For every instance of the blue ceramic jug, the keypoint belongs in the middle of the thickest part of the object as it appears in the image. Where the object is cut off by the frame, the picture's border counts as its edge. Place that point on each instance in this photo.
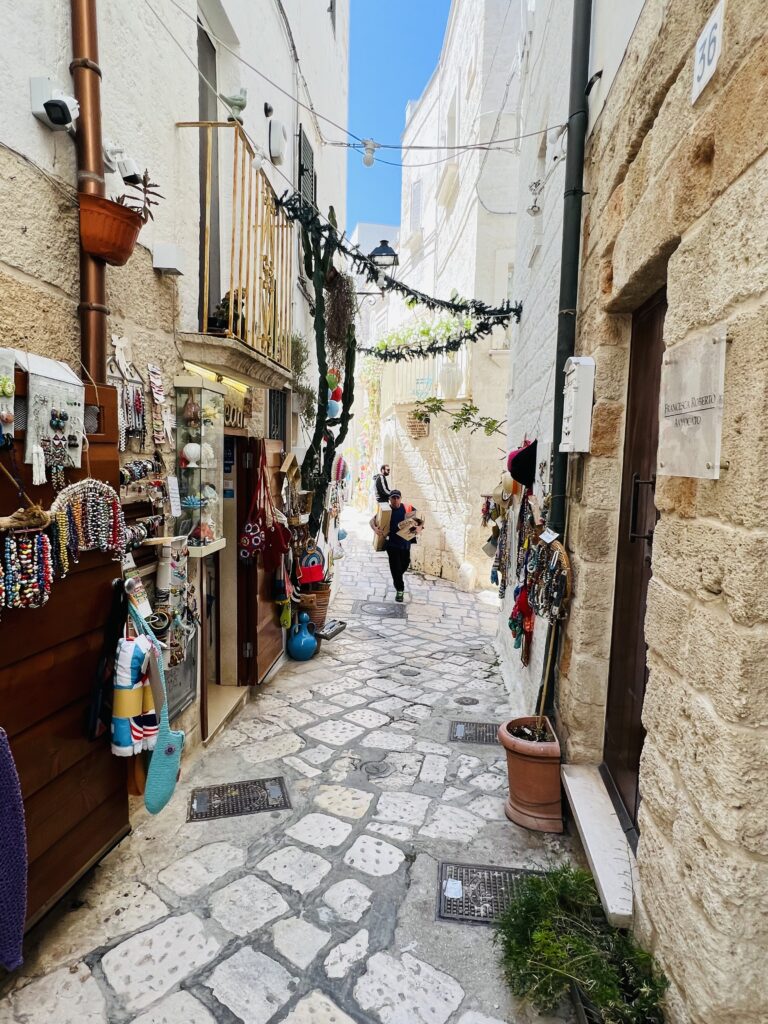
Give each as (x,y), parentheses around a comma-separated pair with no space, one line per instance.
(301,643)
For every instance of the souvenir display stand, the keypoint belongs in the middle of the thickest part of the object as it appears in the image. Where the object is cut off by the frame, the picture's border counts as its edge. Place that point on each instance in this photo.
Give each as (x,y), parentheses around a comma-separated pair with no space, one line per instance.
(200,460)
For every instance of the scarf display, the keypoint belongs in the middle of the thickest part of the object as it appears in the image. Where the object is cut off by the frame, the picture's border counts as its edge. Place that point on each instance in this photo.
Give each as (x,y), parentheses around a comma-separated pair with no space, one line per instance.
(13,860)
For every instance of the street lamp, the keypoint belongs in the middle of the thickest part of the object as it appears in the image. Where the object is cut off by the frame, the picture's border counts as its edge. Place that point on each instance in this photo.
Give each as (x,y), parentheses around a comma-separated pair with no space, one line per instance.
(384,256)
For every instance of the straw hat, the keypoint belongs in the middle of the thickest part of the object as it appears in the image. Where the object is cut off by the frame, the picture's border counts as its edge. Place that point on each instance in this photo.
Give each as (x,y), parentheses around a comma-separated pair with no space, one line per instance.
(503,494)
(410,526)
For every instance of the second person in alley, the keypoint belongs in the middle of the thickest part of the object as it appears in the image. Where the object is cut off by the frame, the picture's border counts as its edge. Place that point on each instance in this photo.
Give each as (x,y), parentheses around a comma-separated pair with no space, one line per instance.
(398,540)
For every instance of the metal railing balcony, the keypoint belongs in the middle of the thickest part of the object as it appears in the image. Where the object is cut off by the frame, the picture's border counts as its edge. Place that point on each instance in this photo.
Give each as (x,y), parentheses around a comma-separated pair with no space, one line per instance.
(246,245)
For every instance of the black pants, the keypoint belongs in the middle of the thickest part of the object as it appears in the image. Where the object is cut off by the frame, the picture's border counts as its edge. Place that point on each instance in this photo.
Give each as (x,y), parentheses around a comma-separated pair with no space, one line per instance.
(399,561)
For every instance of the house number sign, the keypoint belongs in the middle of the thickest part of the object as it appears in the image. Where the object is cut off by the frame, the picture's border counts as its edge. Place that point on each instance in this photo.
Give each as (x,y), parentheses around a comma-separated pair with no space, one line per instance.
(691,406)
(707,53)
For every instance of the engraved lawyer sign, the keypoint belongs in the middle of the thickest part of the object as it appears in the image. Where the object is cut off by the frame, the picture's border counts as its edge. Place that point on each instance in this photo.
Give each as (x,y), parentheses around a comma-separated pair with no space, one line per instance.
(691,406)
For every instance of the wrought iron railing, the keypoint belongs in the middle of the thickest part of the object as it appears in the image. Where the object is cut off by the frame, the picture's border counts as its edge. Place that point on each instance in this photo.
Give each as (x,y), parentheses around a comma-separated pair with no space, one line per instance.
(246,247)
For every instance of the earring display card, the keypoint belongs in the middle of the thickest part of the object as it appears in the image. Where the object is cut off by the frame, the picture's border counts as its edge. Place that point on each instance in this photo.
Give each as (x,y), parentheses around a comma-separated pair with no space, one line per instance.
(7,389)
(55,419)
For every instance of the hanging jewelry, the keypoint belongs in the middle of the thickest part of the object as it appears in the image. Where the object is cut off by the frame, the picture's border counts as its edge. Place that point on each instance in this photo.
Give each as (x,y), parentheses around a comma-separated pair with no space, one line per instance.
(87,516)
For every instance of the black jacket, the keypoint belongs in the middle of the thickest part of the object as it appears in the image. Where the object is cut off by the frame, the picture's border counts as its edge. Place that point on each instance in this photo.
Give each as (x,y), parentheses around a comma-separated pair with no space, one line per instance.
(382,491)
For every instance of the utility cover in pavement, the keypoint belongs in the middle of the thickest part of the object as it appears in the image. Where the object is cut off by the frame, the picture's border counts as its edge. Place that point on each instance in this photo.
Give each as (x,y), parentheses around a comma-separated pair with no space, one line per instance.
(235,798)
(467,701)
(475,893)
(473,732)
(380,609)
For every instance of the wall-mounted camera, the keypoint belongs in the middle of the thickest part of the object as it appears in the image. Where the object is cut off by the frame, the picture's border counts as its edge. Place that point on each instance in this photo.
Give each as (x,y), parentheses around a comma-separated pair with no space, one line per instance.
(116,162)
(57,110)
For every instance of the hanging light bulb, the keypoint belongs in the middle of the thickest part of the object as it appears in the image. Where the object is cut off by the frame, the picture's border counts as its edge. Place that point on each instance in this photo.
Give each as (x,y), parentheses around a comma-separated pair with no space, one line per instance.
(369,154)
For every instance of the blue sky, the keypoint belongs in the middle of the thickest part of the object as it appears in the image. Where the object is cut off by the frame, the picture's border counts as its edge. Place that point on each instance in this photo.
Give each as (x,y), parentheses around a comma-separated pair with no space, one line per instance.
(394,46)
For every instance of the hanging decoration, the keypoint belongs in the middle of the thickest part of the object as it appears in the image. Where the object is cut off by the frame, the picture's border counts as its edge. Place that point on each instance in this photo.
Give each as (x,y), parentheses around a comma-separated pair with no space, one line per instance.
(157,390)
(482,316)
(54,428)
(85,516)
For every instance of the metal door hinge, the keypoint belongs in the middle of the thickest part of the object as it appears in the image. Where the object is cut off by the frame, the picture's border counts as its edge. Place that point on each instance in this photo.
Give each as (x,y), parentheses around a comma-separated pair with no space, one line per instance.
(247,650)
(247,460)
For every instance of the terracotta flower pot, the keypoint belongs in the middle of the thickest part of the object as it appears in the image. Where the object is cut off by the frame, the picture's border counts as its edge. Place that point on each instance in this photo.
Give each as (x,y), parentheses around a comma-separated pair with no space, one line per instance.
(533,770)
(108,230)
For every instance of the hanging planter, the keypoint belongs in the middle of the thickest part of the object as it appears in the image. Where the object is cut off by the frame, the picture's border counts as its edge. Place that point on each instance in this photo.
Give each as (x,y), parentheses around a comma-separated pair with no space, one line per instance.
(533,770)
(108,230)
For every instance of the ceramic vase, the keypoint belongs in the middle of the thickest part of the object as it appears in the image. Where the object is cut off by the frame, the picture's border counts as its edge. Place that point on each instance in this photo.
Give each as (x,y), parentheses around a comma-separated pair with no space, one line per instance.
(533,771)
(450,379)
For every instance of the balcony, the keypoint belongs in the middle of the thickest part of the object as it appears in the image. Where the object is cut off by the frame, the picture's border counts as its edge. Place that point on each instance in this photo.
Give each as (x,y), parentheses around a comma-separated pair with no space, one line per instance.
(246,261)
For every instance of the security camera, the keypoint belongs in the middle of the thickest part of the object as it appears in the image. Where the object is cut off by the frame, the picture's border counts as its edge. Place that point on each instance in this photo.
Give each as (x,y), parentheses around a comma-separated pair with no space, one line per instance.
(129,171)
(54,108)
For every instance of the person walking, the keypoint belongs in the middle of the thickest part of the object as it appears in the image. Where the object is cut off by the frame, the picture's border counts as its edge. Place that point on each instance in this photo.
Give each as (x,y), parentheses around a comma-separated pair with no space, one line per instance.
(381,485)
(398,547)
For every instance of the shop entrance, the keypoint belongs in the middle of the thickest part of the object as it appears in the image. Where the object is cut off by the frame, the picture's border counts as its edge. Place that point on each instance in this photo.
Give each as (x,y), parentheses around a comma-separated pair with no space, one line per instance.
(624,732)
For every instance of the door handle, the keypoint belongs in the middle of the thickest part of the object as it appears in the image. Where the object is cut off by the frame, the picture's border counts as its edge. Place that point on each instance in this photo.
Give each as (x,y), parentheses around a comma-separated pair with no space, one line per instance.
(637,483)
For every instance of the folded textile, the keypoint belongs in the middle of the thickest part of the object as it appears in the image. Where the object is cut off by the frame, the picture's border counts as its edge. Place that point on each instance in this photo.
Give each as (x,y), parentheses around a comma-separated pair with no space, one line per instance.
(13,860)
(134,721)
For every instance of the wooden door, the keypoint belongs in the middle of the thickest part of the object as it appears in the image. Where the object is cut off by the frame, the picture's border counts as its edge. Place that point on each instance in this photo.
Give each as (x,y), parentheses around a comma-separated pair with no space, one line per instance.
(75,796)
(624,733)
(260,635)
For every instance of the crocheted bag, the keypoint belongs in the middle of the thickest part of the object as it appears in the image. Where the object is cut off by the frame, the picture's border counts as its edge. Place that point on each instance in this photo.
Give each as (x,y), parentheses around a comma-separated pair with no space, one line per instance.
(163,771)
(13,860)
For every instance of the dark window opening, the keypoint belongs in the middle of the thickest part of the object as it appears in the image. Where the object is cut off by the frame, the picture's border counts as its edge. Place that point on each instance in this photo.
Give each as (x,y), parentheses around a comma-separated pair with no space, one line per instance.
(307,183)
(277,414)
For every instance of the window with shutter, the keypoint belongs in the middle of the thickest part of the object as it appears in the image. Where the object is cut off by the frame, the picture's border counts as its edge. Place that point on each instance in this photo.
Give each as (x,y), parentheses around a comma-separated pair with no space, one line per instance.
(307,184)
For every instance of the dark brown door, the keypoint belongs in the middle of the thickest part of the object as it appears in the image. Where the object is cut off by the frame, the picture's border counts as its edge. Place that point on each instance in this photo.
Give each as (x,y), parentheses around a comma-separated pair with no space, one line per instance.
(261,637)
(624,733)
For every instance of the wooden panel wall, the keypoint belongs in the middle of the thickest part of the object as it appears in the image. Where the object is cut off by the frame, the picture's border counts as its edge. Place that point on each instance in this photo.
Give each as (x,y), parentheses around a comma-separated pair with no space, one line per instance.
(74,791)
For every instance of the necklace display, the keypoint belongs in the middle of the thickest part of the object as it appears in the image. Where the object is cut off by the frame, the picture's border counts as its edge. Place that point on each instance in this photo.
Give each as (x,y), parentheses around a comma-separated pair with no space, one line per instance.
(86,516)
(132,409)
(27,570)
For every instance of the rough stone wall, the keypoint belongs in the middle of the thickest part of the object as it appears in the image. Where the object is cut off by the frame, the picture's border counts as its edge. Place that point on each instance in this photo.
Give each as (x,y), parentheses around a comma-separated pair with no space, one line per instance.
(677,194)
(544,101)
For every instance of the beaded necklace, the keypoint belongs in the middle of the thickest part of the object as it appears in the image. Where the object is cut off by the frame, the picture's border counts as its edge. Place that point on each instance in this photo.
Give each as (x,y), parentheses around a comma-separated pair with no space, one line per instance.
(27,570)
(86,516)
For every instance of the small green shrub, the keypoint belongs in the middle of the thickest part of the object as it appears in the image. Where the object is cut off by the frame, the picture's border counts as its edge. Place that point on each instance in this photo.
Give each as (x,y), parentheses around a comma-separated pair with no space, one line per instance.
(554,934)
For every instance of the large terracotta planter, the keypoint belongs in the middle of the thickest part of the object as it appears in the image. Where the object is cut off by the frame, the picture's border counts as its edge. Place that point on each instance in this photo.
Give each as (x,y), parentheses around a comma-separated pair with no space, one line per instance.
(533,770)
(108,230)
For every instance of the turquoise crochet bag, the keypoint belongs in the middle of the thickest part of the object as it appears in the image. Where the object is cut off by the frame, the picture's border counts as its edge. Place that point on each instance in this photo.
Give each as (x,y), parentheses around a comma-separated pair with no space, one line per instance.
(163,771)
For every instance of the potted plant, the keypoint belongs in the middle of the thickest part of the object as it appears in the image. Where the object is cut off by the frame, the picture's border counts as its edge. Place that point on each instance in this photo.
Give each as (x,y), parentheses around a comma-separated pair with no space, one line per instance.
(109,227)
(555,940)
(533,771)
(218,323)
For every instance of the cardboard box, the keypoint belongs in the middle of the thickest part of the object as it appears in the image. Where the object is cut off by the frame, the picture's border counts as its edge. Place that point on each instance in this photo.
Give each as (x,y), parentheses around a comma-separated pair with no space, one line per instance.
(383,516)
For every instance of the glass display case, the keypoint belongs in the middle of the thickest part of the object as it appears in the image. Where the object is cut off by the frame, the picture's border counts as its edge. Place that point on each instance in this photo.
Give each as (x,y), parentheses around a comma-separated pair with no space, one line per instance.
(199,460)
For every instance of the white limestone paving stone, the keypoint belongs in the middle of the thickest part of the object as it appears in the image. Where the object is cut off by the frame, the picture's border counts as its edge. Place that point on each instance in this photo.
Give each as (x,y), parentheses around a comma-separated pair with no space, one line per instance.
(405,726)
(180,1008)
(405,767)
(467,765)
(264,704)
(298,940)
(246,904)
(336,734)
(433,770)
(332,689)
(402,808)
(349,899)
(320,708)
(400,832)
(343,800)
(344,956)
(317,755)
(151,963)
(386,739)
(374,856)
(417,712)
(301,870)
(289,718)
(407,991)
(271,750)
(390,705)
(316,1008)
(452,792)
(252,985)
(257,729)
(305,769)
(487,781)
(342,767)
(452,823)
(367,718)
(319,830)
(66,996)
(428,747)
(200,868)
(489,807)
(349,700)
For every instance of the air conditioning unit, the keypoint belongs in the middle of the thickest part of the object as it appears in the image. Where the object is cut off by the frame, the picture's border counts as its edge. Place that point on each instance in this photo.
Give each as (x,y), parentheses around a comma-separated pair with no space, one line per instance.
(278,142)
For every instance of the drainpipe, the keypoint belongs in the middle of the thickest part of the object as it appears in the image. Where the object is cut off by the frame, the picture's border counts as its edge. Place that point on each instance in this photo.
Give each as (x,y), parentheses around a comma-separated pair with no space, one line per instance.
(86,77)
(569,277)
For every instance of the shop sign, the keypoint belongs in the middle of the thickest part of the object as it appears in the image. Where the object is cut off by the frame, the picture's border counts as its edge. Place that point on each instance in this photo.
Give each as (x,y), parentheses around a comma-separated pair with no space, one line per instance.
(234,411)
(691,406)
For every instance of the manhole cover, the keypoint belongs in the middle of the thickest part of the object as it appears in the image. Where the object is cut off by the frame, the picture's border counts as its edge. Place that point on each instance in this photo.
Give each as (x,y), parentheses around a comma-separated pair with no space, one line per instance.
(381,609)
(467,701)
(410,672)
(473,732)
(377,769)
(473,892)
(234,798)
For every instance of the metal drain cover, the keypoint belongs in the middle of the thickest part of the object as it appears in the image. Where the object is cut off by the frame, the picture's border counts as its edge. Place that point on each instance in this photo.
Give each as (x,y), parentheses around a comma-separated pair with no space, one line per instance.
(235,798)
(381,609)
(475,893)
(467,701)
(473,732)
(377,769)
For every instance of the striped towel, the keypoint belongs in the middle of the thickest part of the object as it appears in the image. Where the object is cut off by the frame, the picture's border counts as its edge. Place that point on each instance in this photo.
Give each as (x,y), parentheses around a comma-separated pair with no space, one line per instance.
(134,722)
(13,860)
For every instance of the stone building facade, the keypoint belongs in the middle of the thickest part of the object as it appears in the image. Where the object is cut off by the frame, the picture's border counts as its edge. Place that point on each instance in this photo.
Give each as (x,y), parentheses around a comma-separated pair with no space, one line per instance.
(675,203)
(457,235)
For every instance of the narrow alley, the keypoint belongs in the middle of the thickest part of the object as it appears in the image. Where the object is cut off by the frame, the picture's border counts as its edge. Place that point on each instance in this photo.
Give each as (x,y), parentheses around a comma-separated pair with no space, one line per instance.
(323,913)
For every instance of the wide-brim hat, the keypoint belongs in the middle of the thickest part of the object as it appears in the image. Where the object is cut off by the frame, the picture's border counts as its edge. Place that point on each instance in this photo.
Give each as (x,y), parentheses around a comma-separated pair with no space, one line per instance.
(521,464)
(408,529)
(504,491)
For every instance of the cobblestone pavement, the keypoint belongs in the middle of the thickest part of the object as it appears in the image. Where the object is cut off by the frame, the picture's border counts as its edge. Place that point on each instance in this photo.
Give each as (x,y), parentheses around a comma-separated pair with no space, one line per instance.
(324,913)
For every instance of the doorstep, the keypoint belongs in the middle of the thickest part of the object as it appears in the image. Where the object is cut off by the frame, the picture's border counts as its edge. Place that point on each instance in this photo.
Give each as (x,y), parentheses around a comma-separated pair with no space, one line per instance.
(602,836)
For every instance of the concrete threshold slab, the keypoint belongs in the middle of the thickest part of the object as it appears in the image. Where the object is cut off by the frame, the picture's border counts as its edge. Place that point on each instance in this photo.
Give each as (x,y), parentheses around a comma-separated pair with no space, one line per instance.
(602,836)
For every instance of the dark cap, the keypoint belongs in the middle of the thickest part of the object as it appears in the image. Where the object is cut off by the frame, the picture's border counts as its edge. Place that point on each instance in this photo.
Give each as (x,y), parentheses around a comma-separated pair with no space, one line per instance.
(395,494)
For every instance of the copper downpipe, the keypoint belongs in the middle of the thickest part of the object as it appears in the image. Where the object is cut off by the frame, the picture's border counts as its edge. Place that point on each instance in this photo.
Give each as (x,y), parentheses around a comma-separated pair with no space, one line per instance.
(86,77)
